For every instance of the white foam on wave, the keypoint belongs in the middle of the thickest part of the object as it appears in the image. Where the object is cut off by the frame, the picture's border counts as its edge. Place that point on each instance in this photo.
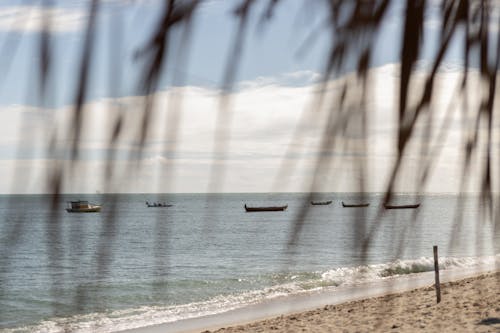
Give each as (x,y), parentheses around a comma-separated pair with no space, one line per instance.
(118,320)
(359,274)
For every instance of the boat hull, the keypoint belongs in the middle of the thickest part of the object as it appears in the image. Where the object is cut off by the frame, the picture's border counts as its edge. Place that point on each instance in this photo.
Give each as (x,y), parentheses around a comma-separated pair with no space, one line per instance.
(84,210)
(82,206)
(386,206)
(354,205)
(321,203)
(266,209)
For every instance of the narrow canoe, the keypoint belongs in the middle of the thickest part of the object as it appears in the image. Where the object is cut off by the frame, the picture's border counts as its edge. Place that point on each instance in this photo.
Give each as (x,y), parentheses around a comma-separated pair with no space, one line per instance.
(158,205)
(321,203)
(355,205)
(387,206)
(265,209)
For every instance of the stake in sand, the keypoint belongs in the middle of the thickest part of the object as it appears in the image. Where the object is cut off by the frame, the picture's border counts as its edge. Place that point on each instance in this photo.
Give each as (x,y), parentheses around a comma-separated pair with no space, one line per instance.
(436,274)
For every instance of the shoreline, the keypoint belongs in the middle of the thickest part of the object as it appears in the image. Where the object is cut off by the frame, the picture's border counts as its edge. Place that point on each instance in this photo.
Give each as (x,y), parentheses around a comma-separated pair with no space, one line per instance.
(281,313)
(468,305)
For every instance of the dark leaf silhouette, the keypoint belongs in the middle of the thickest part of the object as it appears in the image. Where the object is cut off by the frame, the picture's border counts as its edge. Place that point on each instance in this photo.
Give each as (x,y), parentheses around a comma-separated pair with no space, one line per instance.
(352,28)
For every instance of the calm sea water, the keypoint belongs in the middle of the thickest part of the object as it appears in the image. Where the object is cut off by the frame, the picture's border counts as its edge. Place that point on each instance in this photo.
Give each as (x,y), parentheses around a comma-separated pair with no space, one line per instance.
(130,266)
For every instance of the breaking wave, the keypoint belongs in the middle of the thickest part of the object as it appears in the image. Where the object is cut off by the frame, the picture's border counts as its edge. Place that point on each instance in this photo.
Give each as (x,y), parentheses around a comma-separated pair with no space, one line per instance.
(282,285)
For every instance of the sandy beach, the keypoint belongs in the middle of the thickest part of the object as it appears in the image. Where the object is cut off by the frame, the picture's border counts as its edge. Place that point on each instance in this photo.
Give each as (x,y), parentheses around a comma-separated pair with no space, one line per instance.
(468,305)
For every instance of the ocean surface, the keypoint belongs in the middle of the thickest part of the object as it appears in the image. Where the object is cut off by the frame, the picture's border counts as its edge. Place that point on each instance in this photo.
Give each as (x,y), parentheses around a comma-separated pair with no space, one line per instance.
(132,266)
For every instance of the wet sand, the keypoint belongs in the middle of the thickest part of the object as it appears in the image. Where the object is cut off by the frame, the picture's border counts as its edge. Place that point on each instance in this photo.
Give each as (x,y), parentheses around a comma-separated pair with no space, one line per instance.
(467,305)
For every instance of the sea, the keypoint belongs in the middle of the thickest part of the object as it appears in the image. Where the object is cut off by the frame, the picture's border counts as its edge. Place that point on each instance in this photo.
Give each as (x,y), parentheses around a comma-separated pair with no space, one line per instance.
(130,266)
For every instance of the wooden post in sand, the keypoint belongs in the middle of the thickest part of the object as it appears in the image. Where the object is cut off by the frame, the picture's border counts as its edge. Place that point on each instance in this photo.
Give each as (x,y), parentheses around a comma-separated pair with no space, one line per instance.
(436,274)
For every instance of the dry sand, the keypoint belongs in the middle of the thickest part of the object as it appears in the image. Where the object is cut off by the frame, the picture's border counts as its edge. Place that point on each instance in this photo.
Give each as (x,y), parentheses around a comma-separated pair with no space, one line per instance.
(469,305)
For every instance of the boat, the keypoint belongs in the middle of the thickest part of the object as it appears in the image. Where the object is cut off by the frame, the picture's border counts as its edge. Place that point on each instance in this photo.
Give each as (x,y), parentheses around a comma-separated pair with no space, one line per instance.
(265,209)
(321,203)
(355,205)
(387,206)
(157,205)
(82,206)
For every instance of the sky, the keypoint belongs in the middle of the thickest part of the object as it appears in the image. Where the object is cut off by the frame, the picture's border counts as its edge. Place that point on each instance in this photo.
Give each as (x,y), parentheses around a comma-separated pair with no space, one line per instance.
(269,138)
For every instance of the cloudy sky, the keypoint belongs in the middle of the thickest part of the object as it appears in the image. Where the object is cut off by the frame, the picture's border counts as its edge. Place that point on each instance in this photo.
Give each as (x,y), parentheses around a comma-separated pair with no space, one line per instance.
(268,137)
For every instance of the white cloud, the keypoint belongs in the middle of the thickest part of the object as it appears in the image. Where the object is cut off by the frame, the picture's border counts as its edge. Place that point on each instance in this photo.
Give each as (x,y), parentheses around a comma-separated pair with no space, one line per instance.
(433,20)
(269,126)
(297,78)
(305,75)
(35,19)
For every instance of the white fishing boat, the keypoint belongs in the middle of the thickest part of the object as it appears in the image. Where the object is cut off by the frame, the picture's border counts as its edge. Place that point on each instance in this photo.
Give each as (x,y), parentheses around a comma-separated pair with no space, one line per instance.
(82,206)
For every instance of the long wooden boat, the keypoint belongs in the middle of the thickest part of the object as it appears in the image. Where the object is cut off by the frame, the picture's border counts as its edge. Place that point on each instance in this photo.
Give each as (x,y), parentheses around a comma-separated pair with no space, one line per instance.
(355,205)
(265,209)
(321,203)
(82,206)
(387,206)
(157,205)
